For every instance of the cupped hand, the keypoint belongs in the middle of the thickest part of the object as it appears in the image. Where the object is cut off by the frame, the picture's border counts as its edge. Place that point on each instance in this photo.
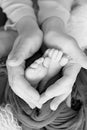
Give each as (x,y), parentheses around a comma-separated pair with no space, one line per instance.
(25,45)
(21,86)
(62,88)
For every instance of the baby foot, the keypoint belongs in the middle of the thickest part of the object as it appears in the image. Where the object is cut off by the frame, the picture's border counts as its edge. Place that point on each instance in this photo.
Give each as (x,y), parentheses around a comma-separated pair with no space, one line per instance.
(37,71)
(45,67)
(57,60)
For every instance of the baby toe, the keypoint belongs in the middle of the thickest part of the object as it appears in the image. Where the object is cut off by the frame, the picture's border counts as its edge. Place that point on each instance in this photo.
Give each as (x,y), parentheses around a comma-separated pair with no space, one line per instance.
(51,52)
(34,65)
(46,62)
(40,60)
(59,56)
(63,61)
(55,54)
(46,52)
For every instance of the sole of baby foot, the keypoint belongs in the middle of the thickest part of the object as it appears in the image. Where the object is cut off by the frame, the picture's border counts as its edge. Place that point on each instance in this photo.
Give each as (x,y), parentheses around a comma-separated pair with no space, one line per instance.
(36,71)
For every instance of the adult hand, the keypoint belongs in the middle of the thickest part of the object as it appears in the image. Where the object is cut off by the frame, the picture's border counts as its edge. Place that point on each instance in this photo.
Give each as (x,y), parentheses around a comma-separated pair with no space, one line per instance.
(62,88)
(55,37)
(26,44)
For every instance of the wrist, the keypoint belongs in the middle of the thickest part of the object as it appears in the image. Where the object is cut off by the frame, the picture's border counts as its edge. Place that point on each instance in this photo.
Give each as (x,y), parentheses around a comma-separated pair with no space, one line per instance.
(53,24)
(26,24)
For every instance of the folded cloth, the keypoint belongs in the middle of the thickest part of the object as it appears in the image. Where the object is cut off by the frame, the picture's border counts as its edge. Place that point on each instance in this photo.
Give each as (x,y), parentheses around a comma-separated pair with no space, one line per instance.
(64,118)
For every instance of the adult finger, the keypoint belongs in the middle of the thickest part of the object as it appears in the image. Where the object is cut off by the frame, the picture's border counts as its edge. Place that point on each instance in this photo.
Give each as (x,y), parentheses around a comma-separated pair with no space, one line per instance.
(58,100)
(63,85)
(21,86)
(70,73)
(32,106)
(58,88)
(24,47)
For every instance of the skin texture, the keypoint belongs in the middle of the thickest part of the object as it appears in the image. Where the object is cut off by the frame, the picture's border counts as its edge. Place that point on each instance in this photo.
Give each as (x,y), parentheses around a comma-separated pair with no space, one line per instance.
(55,36)
(23,49)
(45,68)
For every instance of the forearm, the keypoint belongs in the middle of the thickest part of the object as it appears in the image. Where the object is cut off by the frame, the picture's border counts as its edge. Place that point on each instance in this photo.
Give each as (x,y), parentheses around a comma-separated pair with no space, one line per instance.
(54,8)
(17,9)
(27,24)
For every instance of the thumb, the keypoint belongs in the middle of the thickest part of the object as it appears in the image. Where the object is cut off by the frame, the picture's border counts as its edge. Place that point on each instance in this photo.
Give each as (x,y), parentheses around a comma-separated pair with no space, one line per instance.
(58,100)
(23,48)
